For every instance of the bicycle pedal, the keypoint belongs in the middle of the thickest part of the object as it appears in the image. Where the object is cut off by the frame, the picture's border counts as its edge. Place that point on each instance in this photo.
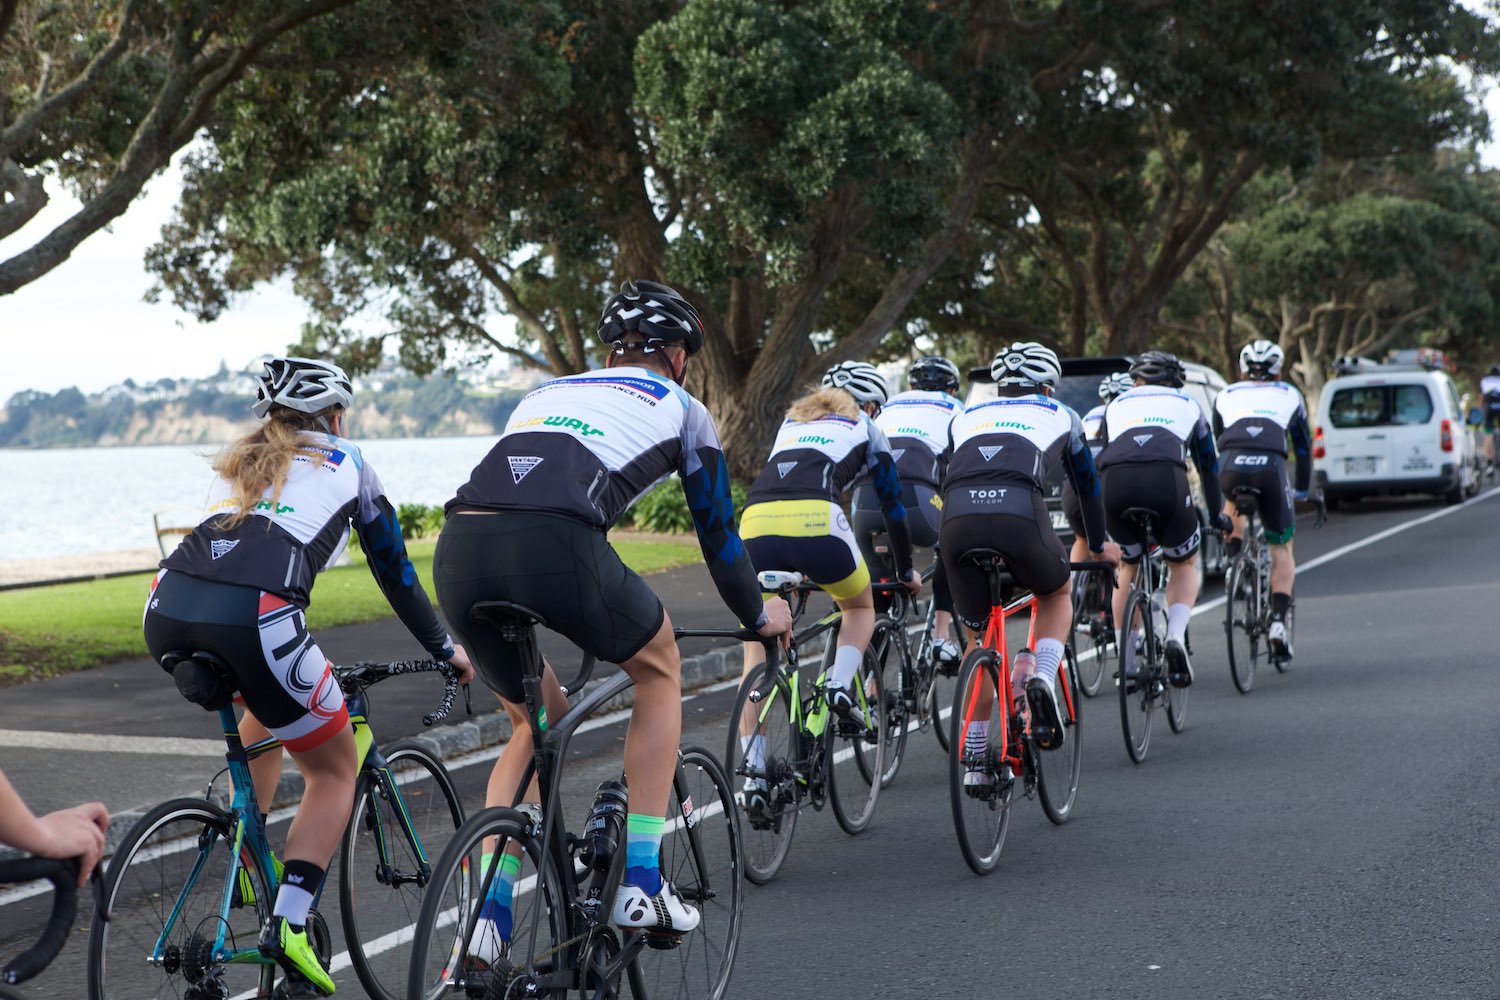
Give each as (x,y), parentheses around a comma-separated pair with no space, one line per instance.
(663,942)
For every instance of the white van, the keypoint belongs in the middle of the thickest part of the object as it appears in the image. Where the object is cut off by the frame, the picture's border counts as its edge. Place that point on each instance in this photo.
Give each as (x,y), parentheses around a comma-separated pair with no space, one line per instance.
(1384,429)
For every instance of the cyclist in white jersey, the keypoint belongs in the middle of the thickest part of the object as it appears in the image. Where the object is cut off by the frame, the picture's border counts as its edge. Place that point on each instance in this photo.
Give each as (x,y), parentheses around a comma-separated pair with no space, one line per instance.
(993,499)
(916,423)
(1489,388)
(1253,419)
(1109,387)
(1149,430)
(530,527)
(238,586)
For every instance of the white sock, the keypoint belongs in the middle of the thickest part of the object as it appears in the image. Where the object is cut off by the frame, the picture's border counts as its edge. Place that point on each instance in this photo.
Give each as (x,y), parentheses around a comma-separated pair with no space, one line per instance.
(1049,654)
(1177,620)
(292,902)
(976,736)
(845,663)
(485,943)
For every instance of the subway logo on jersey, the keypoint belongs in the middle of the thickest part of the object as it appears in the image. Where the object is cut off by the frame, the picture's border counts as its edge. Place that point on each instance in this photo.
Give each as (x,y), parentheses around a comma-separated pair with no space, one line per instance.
(567,423)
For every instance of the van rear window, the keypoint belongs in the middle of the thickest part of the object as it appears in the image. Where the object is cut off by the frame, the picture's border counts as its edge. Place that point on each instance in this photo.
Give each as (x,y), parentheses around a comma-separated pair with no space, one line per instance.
(1380,406)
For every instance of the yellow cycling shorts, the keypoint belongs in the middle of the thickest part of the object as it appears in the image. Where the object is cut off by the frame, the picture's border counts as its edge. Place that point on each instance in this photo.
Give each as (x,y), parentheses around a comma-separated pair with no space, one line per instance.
(811,537)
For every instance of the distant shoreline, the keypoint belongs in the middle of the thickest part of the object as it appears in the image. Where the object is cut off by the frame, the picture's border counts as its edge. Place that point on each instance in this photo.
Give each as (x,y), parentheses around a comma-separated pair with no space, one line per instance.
(82,564)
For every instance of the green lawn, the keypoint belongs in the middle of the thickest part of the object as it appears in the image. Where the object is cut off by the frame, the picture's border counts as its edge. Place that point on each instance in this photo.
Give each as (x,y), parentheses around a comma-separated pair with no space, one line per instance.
(53,630)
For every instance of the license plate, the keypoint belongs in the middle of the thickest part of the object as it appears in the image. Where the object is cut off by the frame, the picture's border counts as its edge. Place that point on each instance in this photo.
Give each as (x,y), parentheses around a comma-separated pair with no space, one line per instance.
(1059,520)
(1359,467)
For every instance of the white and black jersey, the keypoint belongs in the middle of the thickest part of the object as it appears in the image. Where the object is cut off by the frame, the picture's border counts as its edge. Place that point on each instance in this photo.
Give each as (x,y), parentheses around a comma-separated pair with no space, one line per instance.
(916,423)
(1489,388)
(1093,428)
(1260,417)
(820,459)
(1155,423)
(290,537)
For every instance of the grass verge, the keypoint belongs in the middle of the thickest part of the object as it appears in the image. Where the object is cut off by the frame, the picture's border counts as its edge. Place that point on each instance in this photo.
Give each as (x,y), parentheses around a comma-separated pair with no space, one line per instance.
(54,630)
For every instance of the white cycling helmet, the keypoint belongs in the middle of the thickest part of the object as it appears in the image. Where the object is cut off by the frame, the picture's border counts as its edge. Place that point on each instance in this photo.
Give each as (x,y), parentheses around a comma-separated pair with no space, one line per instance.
(860,380)
(301,384)
(1261,357)
(1026,363)
(1113,385)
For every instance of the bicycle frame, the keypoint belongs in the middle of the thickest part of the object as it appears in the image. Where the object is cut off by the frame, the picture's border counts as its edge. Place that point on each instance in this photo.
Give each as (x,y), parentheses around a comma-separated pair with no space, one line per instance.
(994,638)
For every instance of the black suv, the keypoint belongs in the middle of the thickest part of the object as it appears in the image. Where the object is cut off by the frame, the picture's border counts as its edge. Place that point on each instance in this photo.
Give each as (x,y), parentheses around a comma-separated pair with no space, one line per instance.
(1079,389)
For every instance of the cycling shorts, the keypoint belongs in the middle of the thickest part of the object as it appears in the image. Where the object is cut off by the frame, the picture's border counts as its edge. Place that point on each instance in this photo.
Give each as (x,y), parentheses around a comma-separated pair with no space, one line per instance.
(924,514)
(1162,487)
(1034,557)
(1266,472)
(811,537)
(564,570)
(278,670)
(1491,418)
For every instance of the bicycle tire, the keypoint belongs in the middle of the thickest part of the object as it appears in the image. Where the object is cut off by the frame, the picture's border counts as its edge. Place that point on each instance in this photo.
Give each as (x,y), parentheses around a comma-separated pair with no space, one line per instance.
(766,835)
(701,808)
(856,754)
(1138,706)
(1058,770)
(380,918)
(1177,702)
(177,853)
(1242,622)
(451,908)
(1093,636)
(944,690)
(888,659)
(980,819)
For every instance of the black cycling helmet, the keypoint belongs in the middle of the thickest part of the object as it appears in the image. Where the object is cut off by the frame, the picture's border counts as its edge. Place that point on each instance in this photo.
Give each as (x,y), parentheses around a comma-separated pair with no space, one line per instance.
(933,373)
(654,310)
(1495,369)
(1159,368)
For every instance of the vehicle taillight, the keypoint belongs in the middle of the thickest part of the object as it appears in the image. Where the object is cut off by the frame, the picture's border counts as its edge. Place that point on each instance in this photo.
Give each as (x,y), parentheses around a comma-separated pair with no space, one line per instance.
(1446,437)
(1318,450)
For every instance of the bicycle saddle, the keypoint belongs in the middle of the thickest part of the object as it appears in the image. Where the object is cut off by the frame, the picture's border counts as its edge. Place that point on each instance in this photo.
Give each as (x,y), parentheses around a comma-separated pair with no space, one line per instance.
(985,558)
(776,581)
(1246,498)
(203,678)
(503,613)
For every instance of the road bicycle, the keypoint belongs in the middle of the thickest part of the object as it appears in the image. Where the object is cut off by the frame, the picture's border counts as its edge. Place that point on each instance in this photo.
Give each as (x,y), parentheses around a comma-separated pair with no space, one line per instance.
(995,755)
(192,883)
(791,750)
(63,875)
(561,941)
(1141,677)
(1093,634)
(1247,596)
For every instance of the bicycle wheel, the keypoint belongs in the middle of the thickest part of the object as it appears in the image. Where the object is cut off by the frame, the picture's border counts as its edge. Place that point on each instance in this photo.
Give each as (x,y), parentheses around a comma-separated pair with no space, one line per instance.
(1140,668)
(163,891)
(383,870)
(700,854)
(943,690)
(1281,662)
(1058,770)
(980,785)
(1177,699)
(856,752)
(886,657)
(1242,622)
(766,761)
(452,953)
(1094,636)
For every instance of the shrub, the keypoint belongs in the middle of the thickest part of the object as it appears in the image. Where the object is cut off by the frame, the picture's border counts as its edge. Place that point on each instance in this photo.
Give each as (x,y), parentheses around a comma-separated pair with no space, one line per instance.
(665,509)
(418,520)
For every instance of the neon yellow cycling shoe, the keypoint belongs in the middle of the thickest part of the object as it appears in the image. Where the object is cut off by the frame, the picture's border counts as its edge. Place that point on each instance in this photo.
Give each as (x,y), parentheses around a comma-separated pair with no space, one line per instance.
(244,886)
(294,953)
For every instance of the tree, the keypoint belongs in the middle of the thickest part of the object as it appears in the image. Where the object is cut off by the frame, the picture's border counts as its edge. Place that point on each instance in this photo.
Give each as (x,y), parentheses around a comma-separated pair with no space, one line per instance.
(102,95)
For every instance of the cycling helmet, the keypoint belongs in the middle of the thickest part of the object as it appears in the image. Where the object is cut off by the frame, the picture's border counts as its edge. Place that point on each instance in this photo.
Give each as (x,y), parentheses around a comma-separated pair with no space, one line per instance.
(1113,385)
(933,374)
(1159,368)
(301,384)
(1495,369)
(1261,358)
(654,310)
(860,380)
(1026,364)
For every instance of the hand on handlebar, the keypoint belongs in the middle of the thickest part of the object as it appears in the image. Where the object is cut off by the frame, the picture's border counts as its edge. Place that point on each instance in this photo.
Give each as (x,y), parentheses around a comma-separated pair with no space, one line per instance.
(77,832)
(778,621)
(462,664)
(1110,553)
(1222,522)
(912,582)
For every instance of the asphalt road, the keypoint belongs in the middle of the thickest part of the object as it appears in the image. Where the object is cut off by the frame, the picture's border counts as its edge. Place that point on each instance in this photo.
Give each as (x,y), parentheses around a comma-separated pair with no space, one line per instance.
(1328,835)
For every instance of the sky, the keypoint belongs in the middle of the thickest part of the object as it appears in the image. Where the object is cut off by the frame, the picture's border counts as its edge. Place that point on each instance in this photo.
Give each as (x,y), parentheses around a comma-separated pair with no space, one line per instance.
(86,323)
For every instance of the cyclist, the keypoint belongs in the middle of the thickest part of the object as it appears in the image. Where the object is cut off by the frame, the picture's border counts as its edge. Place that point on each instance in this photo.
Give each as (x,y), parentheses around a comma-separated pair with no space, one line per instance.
(1148,431)
(915,423)
(993,498)
(530,526)
(1489,387)
(239,584)
(1109,387)
(76,832)
(1253,418)
(793,520)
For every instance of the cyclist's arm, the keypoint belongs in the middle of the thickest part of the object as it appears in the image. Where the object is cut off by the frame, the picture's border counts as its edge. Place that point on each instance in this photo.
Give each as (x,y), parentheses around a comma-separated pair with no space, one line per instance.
(1301,439)
(882,466)
(1206,458)
(1079,468)
(385,552)
(705,485)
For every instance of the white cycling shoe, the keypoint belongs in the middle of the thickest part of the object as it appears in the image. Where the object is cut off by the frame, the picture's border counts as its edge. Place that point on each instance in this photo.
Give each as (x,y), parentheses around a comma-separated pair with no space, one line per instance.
(664,913)
(1280,642)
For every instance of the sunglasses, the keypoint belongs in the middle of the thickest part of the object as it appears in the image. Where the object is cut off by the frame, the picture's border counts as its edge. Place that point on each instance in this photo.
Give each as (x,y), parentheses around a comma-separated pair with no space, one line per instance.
(621,349)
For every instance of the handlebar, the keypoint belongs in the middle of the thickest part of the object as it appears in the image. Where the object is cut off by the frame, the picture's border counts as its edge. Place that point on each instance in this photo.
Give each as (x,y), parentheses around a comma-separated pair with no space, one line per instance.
(585,671)
(359,676)
(63,874)
(770,642)
(1096,566)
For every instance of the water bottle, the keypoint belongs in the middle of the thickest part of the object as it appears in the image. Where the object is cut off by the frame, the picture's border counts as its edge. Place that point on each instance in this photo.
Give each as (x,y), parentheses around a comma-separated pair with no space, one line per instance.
(605,828)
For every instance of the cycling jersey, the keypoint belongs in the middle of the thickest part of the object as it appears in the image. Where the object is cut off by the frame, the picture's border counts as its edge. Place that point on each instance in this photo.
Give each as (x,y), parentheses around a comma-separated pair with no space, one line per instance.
(1093,426)
(819,459)
(1489,387)
(916,424)
(289,538)
(1260,416)
(1002,450)
(1155,423)
(588,446)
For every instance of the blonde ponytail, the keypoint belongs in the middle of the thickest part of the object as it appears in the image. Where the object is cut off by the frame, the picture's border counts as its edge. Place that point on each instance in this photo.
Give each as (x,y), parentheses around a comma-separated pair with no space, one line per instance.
(821,403)
(259,461)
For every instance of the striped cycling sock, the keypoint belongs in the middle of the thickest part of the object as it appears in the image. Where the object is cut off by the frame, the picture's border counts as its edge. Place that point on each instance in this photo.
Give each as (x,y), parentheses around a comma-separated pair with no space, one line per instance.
(495,920)
(643,851)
